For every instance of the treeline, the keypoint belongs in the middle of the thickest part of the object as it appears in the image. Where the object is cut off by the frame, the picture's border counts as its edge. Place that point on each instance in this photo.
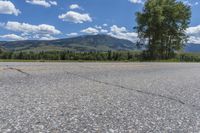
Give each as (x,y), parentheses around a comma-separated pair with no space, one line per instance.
(188,57)
(93,56)
(68,55)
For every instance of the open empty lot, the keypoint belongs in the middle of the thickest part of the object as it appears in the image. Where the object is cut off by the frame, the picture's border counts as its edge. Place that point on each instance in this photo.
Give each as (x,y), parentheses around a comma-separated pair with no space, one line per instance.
(99,97)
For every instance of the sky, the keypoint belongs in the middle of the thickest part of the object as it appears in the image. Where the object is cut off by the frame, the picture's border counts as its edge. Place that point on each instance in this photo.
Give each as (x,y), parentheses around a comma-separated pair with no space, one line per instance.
(54,19)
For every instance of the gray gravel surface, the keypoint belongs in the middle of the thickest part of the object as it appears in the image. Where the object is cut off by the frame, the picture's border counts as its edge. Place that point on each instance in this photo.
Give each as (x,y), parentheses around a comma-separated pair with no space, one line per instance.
(99,97)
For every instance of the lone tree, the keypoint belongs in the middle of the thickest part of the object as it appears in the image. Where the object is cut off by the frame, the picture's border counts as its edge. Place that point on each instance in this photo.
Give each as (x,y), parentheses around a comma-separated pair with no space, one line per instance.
(161,27)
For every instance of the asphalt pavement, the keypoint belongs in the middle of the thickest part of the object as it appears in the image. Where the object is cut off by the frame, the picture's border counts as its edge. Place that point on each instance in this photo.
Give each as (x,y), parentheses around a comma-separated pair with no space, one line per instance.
(99,97)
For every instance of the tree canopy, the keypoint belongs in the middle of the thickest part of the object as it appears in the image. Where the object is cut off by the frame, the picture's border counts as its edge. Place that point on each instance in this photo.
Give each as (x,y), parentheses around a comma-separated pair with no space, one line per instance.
(161,27)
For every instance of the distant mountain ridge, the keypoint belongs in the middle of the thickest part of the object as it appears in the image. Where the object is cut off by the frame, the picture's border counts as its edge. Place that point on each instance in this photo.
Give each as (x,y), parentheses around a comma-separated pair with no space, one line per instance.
(84,43)
(192,48)
(80,43)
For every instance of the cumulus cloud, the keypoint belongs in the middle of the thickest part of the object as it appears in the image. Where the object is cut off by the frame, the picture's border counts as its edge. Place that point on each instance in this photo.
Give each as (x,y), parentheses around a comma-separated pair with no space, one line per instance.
(190,3)
(122,33)
(103,31)
(136,1)
(116,29)
(53,3)
(193,30)
(44,3)
(12,37)
(7,7)
(28,28)
(95,30)
(72,34)
(75,17)
(105,25)
(196,3)
(194,34)
(29,31)
(194,39)
(38,36)
(74,6)
(102,28)
(98,27)
(47,37)
(90,30)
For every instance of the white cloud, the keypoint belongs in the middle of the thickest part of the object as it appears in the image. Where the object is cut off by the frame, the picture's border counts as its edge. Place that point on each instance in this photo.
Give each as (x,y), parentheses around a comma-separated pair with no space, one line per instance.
(28,28)
(74,6)
(105,25)
(122,33)
(190,2)
(75,17)
(94,30)
(47,37)
(116,29)
(53,3)
(40,37)
(103,31)
(193,30)
(136,1)
(194,39)
(28,31)
(7,7)
(98,27)
(44,3)
(72,34)
(90,30)
(194,34)
(12,37)
(196,3)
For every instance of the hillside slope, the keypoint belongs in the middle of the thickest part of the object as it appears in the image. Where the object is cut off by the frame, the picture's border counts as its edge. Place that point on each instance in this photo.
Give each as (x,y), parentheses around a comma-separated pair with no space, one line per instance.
(81,43)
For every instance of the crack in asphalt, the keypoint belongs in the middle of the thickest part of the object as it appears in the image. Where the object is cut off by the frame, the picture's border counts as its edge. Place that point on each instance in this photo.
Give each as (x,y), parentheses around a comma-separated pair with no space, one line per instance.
(136,90)
(18,70)
(120,86)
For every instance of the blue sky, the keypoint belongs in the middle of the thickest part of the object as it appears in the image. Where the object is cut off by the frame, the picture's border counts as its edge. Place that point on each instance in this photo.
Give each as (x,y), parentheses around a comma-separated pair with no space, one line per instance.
(52,19)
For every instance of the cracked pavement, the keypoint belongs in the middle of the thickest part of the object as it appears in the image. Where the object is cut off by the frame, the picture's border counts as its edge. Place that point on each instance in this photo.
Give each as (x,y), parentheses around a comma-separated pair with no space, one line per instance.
(100,97)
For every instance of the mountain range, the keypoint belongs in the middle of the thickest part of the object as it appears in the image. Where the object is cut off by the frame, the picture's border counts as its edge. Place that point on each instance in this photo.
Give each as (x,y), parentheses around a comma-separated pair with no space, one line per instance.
(80,43)
(84,43)
(193,48)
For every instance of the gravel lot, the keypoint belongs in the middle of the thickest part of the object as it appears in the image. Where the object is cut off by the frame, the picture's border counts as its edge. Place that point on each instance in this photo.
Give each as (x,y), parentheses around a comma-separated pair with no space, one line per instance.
(99,97)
